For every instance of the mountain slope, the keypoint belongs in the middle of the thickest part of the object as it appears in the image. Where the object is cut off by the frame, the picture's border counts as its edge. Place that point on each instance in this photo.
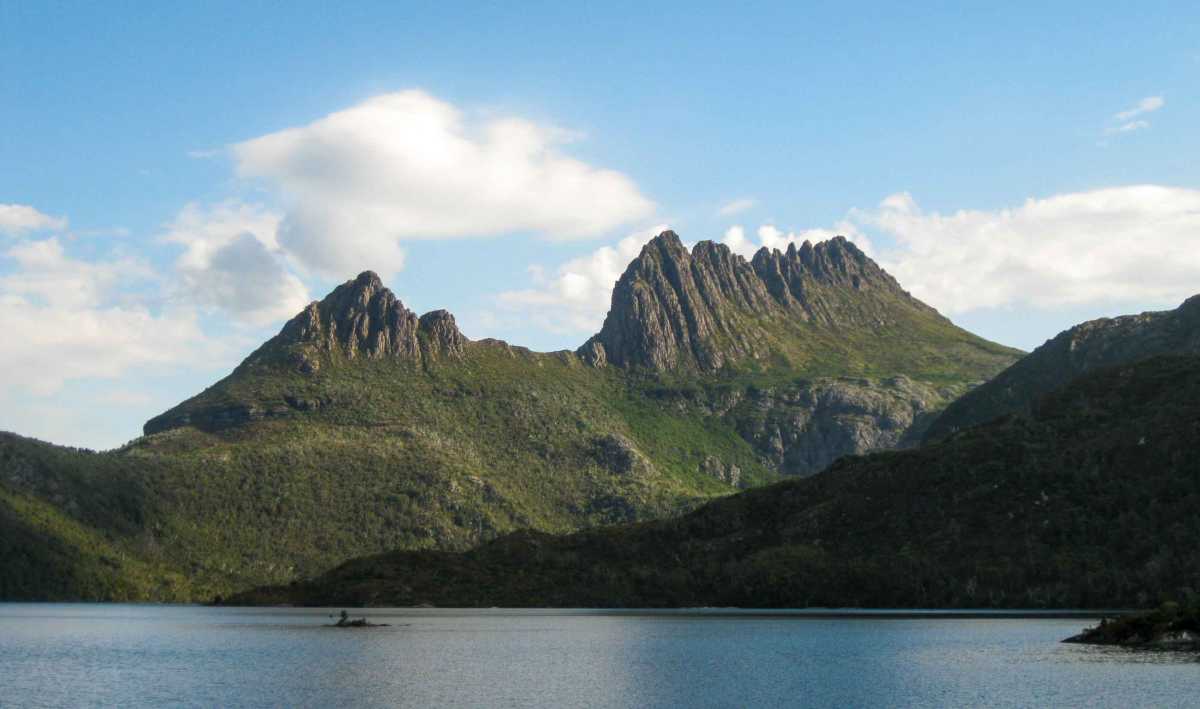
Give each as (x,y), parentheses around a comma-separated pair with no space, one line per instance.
(1087,503)
(362,427)
(1083,348)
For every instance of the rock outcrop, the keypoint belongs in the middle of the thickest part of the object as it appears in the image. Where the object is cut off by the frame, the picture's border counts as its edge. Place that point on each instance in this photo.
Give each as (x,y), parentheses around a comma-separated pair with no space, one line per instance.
(1086,347)
(705,309)
(361,318)
(800,429)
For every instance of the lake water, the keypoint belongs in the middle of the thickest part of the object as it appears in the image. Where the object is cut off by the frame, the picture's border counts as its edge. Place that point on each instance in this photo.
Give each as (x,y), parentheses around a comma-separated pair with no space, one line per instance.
(54,655)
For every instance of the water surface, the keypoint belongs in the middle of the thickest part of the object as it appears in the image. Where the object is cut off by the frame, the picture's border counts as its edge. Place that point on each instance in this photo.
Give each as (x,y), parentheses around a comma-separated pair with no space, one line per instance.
(55,655)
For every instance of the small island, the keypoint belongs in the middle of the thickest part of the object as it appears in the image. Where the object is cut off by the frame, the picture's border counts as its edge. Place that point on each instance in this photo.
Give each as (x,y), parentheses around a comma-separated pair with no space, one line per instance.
(345,621)
(1171,626)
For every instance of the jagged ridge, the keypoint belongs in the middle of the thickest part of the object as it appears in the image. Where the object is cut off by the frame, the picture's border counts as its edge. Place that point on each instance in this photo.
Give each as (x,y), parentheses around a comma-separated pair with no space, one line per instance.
(710,308)
(362,318)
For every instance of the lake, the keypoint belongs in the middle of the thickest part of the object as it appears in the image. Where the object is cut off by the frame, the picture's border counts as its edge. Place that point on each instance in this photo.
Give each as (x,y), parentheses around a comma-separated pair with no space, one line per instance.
(54,655)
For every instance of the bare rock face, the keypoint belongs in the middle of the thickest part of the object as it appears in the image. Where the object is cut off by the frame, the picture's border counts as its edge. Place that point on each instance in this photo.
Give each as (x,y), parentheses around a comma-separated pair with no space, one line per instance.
(674,309)
(800,429)
(1091,345)
(441,335)
(361,319)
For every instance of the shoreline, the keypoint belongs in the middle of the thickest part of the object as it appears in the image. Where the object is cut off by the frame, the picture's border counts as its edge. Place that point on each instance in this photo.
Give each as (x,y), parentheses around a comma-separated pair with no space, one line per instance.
(776,613)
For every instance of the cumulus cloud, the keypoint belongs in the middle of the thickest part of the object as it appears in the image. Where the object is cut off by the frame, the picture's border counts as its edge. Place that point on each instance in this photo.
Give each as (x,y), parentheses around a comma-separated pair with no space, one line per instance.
(20,218)
(1138,245)
(575,298)
(67,319)
(737,206)
(232,261)
(409,166)
(772,237)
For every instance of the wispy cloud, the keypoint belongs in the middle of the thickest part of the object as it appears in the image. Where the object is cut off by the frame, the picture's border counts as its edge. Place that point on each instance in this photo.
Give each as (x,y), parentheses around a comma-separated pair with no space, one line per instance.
(1127,121)
(1150,104)
(736,206)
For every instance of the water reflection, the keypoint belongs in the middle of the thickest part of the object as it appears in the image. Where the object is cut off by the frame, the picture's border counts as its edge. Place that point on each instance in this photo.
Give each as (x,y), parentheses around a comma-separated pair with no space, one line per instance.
(66,655)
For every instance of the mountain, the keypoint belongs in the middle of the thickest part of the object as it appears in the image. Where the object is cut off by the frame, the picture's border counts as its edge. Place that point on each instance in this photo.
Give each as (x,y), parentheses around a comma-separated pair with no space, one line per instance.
(816,309)
(362,427)
(1087,502)
(1083,348)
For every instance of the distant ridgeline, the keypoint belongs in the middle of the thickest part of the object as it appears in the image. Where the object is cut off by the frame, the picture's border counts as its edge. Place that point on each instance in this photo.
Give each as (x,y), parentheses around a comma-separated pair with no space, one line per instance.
(362,428)
(1083,348)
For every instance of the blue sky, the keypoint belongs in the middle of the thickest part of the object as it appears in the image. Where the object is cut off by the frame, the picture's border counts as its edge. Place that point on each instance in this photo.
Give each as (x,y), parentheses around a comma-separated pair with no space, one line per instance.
(1021,167)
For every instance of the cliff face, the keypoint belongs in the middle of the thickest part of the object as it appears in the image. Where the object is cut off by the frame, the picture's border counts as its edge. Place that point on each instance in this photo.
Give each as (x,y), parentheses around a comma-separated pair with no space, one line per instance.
(710,308)
(1091,345)
(801,429)
(361,318)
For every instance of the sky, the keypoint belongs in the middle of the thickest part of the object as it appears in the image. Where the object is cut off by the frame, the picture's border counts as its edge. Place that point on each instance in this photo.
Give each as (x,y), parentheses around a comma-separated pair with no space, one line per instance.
(178,179)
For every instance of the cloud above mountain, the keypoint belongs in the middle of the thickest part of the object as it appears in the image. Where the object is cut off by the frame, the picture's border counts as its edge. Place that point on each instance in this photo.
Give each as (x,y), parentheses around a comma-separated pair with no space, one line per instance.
(232,261)
(575,296)
(357,183)
(68,319)
(1133,244)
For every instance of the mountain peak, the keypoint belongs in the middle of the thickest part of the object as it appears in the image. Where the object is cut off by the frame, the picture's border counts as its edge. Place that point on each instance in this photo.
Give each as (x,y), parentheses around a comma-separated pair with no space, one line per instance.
(361,318)
(708,308)
(369,280)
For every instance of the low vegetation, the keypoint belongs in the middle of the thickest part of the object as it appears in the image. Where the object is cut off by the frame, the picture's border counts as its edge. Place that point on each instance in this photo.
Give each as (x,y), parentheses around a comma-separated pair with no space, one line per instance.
(1089,502)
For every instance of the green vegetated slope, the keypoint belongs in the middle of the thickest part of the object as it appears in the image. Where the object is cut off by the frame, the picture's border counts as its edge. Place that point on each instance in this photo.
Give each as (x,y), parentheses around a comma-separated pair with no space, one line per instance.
(1089,502)
(1091,345)
(362,428)
(396,457)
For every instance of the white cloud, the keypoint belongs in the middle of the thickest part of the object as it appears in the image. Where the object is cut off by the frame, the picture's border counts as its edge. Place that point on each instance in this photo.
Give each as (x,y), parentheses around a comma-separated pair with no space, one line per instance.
(737,206)
(772,237)
(1136,245)
(67,319)
(1123,122)
(20,218)
(1132,126)
(45,274)
(409,166)
(1149,104)
(576,297)
(232,261)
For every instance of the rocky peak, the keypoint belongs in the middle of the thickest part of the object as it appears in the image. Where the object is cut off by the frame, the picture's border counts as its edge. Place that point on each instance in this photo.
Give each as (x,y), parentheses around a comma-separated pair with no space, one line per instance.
(363,318)
(441,334)
(704,309)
